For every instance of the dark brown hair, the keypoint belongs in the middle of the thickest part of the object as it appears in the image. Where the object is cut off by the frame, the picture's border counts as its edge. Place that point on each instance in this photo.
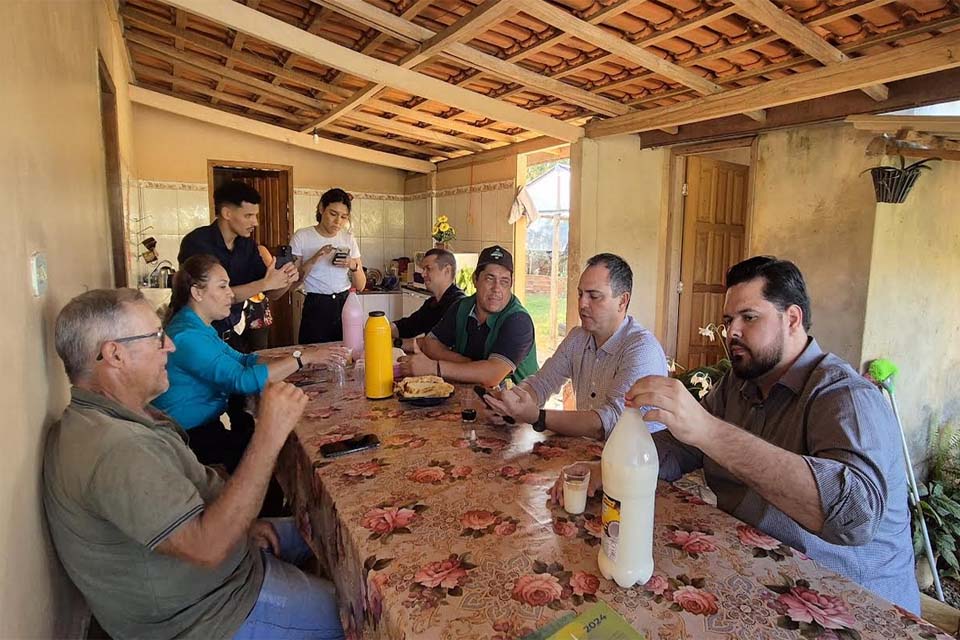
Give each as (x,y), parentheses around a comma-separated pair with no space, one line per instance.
(195,271)
(444,259)
(332,196)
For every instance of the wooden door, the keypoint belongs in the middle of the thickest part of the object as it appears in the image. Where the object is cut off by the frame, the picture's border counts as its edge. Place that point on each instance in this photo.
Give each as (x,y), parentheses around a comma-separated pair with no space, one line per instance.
(714,232)
(111,150)
(275,230)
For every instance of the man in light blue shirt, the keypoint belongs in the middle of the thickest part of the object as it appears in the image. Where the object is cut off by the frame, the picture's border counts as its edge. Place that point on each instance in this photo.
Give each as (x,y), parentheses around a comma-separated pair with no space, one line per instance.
(606,354)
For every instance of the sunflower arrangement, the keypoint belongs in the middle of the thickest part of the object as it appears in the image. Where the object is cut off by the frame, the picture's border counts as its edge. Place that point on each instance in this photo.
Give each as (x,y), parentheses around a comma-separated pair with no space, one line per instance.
(442,231)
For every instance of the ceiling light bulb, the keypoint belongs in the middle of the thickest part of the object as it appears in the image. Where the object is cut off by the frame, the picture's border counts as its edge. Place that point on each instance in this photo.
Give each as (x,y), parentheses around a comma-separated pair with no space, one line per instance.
(316,136)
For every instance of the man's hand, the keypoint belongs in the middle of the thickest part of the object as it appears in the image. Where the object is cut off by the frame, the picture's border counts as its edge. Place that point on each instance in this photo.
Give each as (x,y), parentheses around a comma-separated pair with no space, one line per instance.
(410,345)
(517,403)
(265,536)
(417,365)
(596,482)
(281,406)
(279,278)
(673,406)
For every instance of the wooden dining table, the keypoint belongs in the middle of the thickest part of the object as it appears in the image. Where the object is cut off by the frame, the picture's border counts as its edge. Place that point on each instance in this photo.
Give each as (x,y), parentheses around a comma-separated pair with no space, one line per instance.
(444,533)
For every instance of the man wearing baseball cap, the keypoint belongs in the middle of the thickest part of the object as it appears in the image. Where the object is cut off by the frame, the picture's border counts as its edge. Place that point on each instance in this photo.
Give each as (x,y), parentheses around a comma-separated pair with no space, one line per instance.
(483,338)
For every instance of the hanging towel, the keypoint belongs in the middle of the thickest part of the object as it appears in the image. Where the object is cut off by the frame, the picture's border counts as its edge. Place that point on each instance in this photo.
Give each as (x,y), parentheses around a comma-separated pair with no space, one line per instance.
(523,206)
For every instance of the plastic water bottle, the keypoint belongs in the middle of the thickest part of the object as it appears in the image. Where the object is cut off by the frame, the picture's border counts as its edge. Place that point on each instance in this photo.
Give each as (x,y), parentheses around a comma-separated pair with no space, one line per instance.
(630,468)
(352,318)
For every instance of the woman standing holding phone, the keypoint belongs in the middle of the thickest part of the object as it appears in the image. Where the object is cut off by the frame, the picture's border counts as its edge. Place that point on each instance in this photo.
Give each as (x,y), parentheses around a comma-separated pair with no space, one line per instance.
(328,259)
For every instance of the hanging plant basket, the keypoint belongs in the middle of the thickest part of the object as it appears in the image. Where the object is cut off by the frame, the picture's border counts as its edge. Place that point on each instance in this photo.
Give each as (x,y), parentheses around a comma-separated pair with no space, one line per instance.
(892,184)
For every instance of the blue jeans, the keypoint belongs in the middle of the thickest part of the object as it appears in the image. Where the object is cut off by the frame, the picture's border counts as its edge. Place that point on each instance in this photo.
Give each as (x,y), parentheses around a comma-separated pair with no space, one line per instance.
(292,604)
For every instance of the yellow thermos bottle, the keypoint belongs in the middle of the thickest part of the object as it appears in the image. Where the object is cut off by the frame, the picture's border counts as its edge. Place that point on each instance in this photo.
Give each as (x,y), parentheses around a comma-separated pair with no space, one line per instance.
(378,356)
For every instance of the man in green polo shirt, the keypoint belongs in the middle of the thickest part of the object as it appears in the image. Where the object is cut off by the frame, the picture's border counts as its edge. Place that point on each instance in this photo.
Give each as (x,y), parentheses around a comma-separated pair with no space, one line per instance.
(483,338)
(159,545)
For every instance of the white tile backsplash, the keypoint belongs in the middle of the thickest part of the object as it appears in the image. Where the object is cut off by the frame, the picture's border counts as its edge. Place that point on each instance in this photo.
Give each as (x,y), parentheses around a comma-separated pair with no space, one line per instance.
(393,248)
(372,219)
(160,207)
(371,252)
(193,210)
(168,246)
(393,219)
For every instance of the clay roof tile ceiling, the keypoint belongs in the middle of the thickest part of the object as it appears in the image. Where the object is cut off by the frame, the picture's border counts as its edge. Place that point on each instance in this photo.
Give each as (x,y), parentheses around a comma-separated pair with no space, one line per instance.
(601,62)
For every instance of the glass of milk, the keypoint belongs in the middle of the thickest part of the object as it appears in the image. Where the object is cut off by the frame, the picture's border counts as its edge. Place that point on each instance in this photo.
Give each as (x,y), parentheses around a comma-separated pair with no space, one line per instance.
(576,479)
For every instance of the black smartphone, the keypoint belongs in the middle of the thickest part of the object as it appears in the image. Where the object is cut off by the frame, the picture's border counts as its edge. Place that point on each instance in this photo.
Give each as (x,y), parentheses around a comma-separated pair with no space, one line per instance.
(282,260)
(357,443)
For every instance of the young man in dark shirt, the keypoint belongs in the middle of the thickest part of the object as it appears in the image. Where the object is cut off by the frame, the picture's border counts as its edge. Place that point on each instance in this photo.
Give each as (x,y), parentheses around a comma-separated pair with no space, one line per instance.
(230,239)
(439,270)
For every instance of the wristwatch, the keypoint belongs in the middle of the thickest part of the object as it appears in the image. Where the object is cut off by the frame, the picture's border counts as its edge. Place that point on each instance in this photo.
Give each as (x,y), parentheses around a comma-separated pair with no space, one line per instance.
(540,424)
(296,356)
(398,343)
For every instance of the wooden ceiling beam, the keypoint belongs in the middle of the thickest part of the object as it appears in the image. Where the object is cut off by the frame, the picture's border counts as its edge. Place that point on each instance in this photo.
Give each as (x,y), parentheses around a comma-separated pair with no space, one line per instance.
(414,132)
(626,50)
(441,123)
(236,45)
(936,125)
(216,47)
(263,27)
(245,124)
(390,142)
(211,92)
(432,43)
(928,56)
(791,30)
(139,42)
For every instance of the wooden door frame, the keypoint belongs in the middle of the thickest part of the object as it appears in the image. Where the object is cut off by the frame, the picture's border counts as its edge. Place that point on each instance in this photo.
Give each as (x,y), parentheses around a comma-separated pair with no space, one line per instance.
(113,175)
(262,166)
(668,303)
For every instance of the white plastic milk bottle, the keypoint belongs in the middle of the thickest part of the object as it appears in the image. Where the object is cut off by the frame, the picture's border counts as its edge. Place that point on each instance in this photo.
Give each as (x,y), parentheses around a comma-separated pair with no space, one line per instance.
(352,317)
(630,467)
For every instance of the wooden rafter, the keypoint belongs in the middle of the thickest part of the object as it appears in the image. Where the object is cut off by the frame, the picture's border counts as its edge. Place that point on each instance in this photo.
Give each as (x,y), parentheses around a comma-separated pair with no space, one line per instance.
(440,123)
(414,132)
(370,136)
(236,45)
(791,30)
(247,125)
(609,42)
(216,47)
(944,126)
(474,22)
(139,42)
(277,32)
(430,42)
(929,56)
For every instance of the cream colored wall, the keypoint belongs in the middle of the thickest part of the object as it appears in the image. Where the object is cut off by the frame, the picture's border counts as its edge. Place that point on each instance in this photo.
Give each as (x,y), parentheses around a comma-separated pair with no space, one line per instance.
(174,148)
(52,177)
(913,304)
(812,206)
(617,200)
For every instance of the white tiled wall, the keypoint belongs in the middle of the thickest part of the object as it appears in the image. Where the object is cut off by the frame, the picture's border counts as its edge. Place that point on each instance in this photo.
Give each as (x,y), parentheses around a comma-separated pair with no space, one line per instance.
(385,227)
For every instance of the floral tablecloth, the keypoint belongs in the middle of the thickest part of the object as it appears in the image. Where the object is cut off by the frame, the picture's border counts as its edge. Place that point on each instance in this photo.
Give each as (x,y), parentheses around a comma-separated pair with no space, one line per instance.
(436,536)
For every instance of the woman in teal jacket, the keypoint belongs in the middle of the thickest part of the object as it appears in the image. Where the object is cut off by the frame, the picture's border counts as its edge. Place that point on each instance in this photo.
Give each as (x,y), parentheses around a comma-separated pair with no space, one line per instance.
(204,371)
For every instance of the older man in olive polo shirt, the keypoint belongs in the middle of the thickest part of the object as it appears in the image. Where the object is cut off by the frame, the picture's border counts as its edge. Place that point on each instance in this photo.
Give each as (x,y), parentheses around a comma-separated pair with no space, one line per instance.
(158,544)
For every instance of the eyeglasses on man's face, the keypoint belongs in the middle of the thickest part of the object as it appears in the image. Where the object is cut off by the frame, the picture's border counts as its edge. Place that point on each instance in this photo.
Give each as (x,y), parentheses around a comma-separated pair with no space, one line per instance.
(160,336)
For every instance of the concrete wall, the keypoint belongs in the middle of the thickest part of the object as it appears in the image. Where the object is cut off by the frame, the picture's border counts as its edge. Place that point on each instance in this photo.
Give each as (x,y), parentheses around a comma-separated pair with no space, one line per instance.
(913,304)
(52,178)
(617,203)
(176,149)
(812,206)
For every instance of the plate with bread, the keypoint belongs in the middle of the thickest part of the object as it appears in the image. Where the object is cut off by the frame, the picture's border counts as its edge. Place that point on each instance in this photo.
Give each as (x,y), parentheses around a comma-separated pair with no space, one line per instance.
(423,391)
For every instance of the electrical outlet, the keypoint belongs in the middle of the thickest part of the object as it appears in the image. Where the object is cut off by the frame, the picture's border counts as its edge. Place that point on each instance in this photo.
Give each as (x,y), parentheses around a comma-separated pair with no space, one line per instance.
(38,273)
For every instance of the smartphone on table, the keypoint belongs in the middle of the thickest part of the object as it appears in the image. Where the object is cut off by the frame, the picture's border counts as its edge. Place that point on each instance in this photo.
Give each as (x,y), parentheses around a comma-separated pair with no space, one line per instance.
(362,442)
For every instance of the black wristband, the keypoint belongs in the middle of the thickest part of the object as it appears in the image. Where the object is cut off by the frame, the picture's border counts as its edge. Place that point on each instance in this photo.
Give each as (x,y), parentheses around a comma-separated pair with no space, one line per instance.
(438,369)
(541,422)
(398,343)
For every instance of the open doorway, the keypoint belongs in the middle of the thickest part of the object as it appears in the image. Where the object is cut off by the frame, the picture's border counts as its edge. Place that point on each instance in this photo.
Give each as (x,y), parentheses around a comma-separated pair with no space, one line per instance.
(711,199)
(114,185)
(274,183)
(545,255)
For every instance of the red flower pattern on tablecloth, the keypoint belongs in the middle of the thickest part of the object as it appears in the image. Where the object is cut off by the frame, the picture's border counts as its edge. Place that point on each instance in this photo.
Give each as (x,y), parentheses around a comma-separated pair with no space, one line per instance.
(691,540)
(505,528)
(477,519)
(460,472)
(751,537)
(584,583)
(443,573)
(510,471)
(388,520)
(695,601)
(657,585)
(595,451)
(404,441)
(364,470)
(801,604)
(427,475)
(537,590)
(548,452)
(564,528)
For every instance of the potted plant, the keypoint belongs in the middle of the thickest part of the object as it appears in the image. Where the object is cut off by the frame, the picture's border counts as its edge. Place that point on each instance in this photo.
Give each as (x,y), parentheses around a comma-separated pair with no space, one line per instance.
(700,381)
(443,233)
(892,184)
